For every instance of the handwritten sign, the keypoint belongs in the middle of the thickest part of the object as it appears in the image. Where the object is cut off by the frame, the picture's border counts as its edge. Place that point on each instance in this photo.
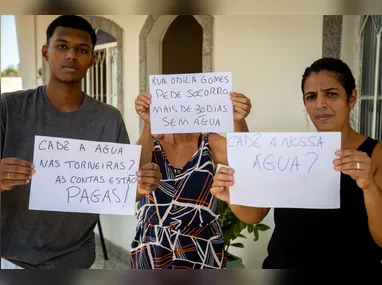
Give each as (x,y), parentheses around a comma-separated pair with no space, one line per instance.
(84,176)
(286,170)
(191,103)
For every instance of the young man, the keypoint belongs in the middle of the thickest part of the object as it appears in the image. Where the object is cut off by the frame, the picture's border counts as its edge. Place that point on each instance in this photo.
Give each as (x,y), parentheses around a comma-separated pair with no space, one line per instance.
(42,239)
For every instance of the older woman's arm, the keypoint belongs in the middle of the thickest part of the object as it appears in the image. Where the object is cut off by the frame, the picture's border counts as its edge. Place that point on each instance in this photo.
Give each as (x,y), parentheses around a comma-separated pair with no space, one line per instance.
(220,188)
(142,107)
(147,143)
(149,175)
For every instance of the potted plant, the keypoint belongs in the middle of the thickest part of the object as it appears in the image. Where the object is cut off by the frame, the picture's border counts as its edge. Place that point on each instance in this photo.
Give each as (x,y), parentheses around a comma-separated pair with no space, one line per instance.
(232,228)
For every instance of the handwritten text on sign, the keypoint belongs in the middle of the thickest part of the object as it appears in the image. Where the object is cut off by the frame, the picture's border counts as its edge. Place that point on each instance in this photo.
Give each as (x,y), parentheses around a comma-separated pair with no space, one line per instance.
(288,170)
(191,103)
(84,176)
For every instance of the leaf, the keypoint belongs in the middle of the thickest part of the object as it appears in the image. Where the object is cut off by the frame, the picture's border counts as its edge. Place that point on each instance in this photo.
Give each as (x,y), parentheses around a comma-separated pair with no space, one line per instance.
(239,235)
(233,218)
(238,244)
(256,233)
(222,207)
(262,227)
(242,225)
(250,228)
(227,236)
(236,230)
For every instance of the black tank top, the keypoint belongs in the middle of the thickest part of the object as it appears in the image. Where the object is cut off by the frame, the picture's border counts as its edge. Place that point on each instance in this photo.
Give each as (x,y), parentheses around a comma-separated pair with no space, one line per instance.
(306,238)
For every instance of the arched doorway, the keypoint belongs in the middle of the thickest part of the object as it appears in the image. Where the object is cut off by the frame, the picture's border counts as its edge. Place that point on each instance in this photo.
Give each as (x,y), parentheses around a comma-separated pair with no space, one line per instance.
(182,46)
(162,42)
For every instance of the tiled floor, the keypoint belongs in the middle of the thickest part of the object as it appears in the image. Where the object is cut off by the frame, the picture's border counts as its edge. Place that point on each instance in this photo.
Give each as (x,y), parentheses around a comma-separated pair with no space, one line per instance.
(112,263)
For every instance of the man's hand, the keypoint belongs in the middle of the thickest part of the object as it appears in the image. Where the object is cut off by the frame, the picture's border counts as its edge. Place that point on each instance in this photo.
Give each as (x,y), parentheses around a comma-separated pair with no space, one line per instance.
(15,172)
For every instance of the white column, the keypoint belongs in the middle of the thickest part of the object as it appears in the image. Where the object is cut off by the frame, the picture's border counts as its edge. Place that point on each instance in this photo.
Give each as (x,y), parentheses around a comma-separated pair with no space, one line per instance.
(26,39)
(376,82)
(108,76)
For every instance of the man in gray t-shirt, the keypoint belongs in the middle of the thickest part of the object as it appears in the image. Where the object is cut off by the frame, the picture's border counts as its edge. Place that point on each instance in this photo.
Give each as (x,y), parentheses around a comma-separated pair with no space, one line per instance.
(43,239)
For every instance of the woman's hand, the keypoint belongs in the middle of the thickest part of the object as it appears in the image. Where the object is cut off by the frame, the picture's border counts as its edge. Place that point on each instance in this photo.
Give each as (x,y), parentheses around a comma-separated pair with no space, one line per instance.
(241,106)
(223,179)
(357,165)
(142,106)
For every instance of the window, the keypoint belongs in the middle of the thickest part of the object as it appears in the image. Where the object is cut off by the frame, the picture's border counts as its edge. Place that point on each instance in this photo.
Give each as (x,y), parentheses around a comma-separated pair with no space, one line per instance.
(102,79)
(370,97)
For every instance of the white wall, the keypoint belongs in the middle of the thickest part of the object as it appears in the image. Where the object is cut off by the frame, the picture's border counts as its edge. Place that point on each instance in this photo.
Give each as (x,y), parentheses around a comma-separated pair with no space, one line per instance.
(267,56)
(10,84)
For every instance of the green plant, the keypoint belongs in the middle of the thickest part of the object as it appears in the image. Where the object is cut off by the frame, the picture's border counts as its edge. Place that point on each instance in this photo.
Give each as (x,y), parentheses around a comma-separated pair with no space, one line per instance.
(10,71)
(232,227)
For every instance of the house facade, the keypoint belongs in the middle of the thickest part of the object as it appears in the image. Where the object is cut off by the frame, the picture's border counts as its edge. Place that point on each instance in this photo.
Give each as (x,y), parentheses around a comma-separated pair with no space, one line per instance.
(267,55)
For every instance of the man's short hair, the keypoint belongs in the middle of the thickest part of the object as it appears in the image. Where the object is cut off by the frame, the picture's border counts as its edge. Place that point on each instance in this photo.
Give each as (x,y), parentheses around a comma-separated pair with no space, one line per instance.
(74,22)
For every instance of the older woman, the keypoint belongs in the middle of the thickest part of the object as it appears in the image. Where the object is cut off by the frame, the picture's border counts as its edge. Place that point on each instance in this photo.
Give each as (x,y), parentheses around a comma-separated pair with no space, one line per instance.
(352,235)
(179,221)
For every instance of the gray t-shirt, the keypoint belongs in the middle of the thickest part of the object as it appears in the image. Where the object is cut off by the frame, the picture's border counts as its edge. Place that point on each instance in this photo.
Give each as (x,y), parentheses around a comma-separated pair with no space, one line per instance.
(42,239)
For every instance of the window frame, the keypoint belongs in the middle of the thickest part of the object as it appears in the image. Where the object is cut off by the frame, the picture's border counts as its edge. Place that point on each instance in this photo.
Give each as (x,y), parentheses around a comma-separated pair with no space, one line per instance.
(375,97)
